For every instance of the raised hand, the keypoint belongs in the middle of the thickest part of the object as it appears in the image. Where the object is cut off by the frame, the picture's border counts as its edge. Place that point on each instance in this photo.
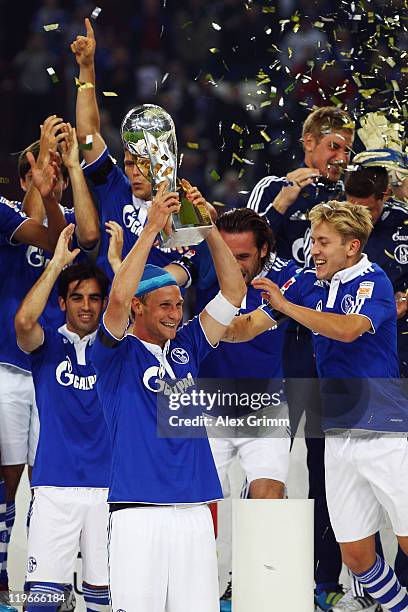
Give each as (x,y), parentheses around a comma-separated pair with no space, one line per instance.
(62,255)
(44,178)
(84,47)
(69,147)
(270,292)
(115,244)
(52,133)
(195,196)
(163,205)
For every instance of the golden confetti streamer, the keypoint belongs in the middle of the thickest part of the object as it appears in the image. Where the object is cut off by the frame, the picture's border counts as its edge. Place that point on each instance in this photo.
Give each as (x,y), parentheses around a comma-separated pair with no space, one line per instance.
(267,80)
(335,100)
(318,24)
(367,93)
(265,136)
(268,9)
(110,94)
(214,175)
(395,85)
(214,50)
(51,26)
(217,203)
(193,145)
(241,174)
(290,52)
(296,27)
(266,103)
(237,128)
(238,158)
(80,85)
(257,146)
(389,254)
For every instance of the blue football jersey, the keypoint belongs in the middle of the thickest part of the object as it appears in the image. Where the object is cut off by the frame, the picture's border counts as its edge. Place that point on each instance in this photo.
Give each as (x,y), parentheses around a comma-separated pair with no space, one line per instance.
(354,390)
(262,356)
(116,202)
(289,228)
(10,219)
(74,445)
(387,246)
(21,266)
(147,468)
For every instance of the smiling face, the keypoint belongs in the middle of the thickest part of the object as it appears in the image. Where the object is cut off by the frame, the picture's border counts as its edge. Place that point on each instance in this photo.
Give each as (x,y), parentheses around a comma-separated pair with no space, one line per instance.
(328,154)
(331,251)
(246,253)
(137,171)
(83,306)
(159,315)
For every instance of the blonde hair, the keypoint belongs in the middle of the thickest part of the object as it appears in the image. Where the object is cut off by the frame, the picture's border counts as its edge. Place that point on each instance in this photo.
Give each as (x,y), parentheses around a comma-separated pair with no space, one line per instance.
(325,120)
(349,220)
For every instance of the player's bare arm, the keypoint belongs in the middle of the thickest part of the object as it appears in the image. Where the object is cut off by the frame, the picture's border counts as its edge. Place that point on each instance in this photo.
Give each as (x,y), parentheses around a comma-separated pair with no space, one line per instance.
(29,332)
(87,111)
(345,328)
(86,215)
(127,277)
(50,137)
(246,327)
(45,180)
(230,280)
(115,232)
(299,179)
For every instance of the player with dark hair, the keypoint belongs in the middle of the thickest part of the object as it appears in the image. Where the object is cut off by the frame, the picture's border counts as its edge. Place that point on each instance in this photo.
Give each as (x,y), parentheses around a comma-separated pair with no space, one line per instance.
(72,465)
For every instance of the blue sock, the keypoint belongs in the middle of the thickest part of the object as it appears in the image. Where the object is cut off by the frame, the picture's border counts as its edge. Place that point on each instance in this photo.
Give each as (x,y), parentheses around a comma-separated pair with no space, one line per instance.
(96,598)
(382,584)
(52,590)
(4,537)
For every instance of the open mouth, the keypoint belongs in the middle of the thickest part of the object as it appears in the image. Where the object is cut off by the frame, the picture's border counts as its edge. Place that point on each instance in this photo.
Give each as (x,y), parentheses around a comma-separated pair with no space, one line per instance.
(319,263)
(171,325)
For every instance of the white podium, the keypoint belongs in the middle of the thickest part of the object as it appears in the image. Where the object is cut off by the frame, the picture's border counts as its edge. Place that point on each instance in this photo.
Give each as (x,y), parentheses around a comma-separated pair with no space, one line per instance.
(272,555)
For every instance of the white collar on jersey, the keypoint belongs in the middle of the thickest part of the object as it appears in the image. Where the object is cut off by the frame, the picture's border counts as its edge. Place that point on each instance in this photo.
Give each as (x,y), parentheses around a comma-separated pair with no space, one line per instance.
(139,203)
(80,344)
(344,276)
(348,274)
(161,356)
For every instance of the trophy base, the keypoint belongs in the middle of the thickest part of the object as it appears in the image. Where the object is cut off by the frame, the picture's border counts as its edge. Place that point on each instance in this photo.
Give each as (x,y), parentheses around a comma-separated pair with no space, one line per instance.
(185,236)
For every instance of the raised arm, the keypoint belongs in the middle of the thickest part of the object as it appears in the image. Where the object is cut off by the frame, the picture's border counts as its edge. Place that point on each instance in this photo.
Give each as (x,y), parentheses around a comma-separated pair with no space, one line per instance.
(230,280)
(345,328)
(29,331)
(87,111)
(127,277)
(50,136)
(246,327)
(86,215)
(45,180)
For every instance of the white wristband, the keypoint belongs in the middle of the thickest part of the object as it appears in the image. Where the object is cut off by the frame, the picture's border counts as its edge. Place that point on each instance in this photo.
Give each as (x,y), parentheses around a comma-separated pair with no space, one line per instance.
(221,309)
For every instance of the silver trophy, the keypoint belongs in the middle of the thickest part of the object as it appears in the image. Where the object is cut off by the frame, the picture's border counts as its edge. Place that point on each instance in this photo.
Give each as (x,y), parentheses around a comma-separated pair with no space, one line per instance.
(148,131)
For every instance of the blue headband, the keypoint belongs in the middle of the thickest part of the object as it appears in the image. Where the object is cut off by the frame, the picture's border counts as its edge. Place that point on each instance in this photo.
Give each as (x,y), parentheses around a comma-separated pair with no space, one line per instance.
(153,278)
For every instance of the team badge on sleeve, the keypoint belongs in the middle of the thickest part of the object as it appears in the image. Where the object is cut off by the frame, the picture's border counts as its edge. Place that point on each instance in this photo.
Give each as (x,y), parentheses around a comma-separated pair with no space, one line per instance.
(365,289)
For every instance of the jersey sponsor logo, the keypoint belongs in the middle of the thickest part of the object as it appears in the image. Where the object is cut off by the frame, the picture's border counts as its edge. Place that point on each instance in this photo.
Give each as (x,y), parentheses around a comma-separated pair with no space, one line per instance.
(297,250)
(153,382)
(179,355)
(31,564)
(66,378)
(401,253)
(131,220)
(365,289)
(347,303)
(397,237)
(36,258)
(289,283)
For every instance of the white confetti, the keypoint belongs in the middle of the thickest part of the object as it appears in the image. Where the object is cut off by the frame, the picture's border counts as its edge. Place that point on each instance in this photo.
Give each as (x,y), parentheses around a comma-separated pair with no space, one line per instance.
(216,26)
(51,26)
(96,12)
